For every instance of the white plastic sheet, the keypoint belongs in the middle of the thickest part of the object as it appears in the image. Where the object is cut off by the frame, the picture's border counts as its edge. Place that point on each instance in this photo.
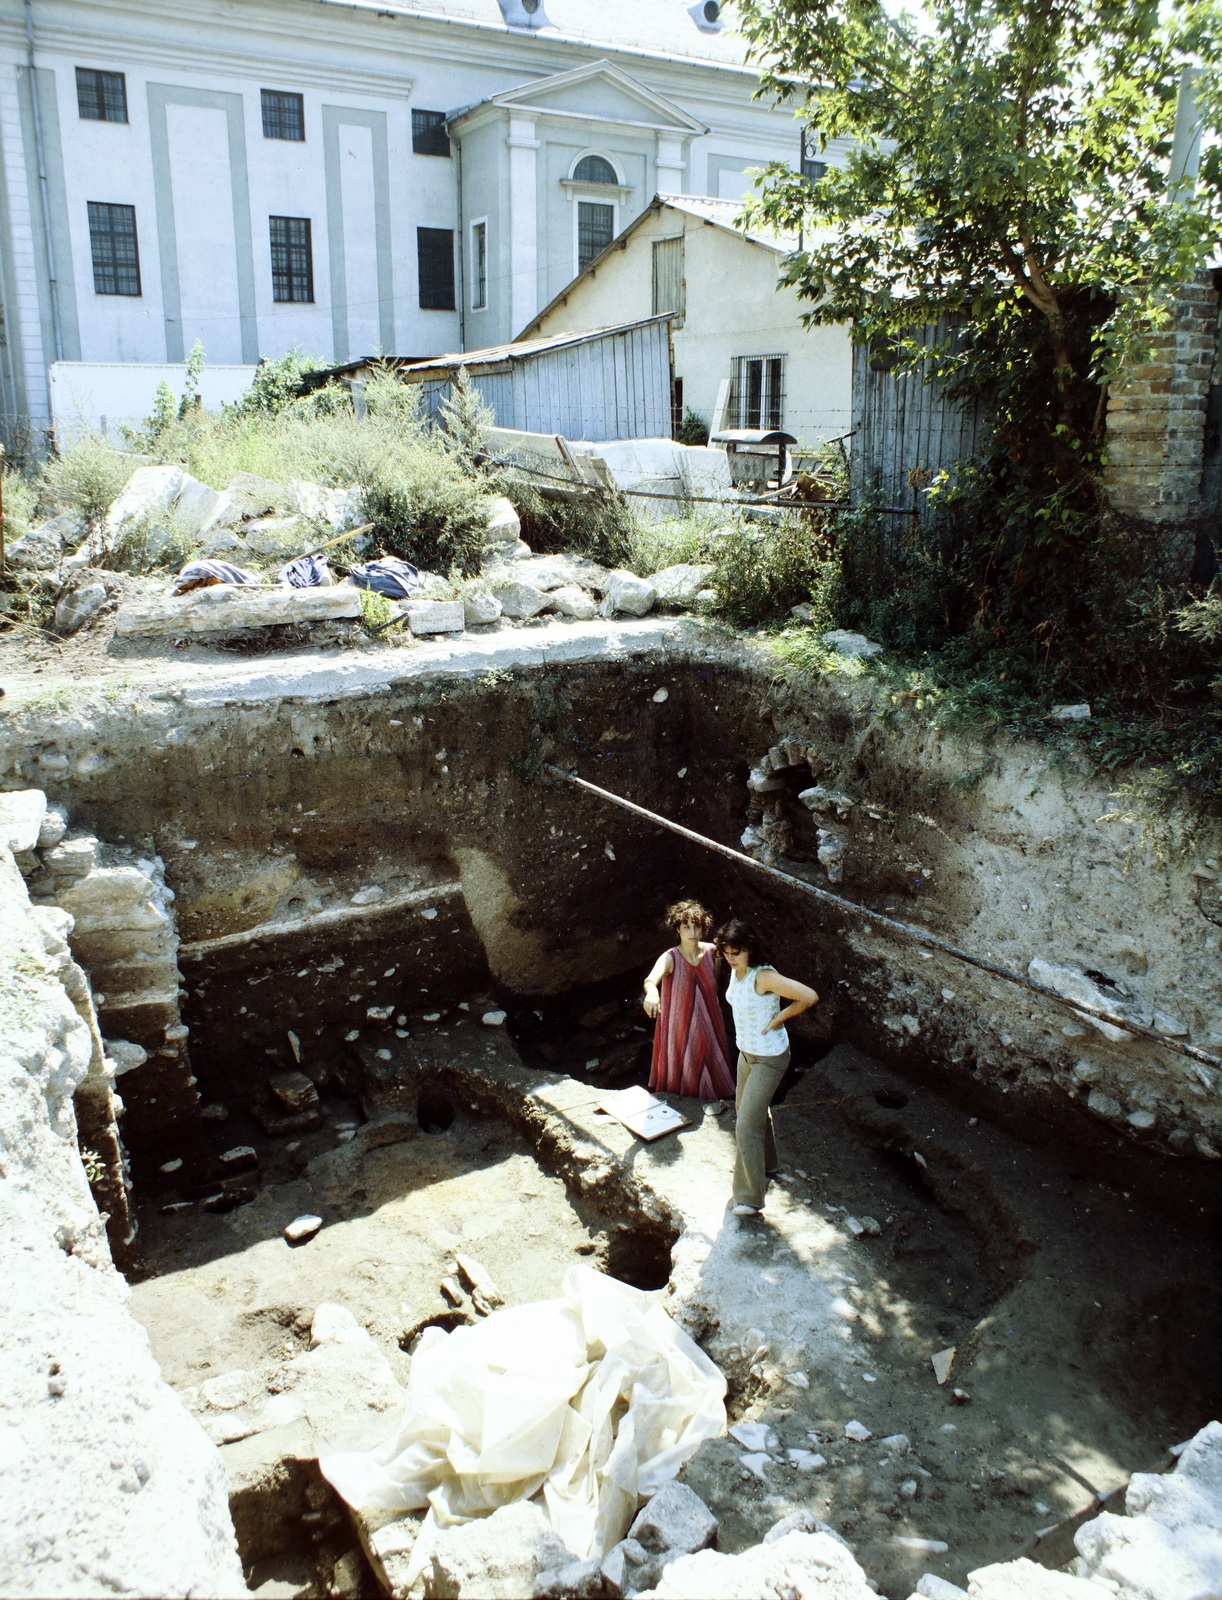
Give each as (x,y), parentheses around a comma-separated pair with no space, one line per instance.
(591,1402)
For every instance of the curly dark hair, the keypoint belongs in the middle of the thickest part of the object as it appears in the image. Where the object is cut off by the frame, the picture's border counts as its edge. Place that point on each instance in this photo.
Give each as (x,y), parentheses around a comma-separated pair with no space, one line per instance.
(688,911)
(739,935)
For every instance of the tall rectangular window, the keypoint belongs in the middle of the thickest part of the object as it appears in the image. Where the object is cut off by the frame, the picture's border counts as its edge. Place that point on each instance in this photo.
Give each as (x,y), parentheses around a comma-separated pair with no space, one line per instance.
(101,96)
(435,260)
(479,266)
(668,285)
(283,115)
(429,136)
(758,397)
(595,231)
(116,254)
(292,260)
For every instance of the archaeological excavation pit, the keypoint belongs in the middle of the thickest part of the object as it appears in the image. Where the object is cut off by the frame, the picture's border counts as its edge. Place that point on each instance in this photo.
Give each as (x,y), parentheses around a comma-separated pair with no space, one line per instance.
(411,965)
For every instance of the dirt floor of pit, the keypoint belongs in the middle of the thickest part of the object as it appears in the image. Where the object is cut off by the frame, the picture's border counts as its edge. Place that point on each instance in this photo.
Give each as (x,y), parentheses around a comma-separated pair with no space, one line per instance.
(1084,1322)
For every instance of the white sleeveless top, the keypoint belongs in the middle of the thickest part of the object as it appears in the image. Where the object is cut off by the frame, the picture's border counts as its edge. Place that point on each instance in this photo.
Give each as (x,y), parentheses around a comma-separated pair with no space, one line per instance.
(751,1012)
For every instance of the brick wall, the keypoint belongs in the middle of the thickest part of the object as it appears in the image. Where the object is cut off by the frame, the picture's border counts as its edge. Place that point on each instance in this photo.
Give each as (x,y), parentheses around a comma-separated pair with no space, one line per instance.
(1156,421)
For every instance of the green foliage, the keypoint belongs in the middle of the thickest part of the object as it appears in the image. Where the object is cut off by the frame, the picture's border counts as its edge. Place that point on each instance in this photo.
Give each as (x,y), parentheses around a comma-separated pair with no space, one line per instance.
(602,527)
(20,503)
(190,391)
(92,1163)
(654,545)
(85,479)
(764,570)
(692,430)
(151,543)
(275,383)
(376,610)
(466,418)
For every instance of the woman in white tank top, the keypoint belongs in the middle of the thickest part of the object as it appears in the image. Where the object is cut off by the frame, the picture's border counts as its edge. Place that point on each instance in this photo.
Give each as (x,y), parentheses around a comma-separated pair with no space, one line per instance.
(755,992)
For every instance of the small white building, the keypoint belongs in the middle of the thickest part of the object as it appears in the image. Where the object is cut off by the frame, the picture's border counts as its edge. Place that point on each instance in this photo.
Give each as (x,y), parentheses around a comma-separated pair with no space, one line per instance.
(733,318)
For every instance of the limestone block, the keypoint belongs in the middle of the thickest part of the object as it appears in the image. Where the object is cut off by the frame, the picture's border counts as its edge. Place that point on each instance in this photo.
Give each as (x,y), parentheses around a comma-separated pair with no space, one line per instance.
(802,1564)
(519,599)
(504,524)
(497,1556)
(1070,983)
(40,550)
(626,592)
(227,606)
(851,644)
(148,489)
(580,1580)
(480,606)
(223,515)
(570,601)
(676,1518)
(21,817)
(277,536)
(805,1521)
(436,616)
(556,572)
(111,898)
(1026,1580)
(123,1055)
(77,606)
(337,508)
(680,585)
(195,505)
(54,826)
(253,496)
(73,858)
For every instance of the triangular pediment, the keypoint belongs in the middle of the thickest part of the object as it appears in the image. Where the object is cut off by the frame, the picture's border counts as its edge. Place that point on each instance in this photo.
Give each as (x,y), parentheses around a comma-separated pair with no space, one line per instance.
(604,92)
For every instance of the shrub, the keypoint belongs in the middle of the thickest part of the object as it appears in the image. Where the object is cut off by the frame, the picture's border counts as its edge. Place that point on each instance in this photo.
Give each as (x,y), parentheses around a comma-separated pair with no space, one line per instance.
(692,430)
(86,478)
(762,572)
(152,543)
(466,418)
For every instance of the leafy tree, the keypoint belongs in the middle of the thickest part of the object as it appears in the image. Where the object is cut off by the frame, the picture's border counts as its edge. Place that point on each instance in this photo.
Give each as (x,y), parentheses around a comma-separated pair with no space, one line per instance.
(1009,156)
(466,418)
(275,383)
(196,362)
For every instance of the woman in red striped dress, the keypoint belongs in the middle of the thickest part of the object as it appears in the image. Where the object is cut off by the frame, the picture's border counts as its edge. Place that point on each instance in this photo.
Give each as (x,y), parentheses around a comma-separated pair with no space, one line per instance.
(691,1055)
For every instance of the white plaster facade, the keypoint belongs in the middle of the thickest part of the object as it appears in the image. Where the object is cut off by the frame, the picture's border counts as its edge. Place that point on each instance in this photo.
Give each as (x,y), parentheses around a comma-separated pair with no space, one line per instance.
(666,102)
(734,309)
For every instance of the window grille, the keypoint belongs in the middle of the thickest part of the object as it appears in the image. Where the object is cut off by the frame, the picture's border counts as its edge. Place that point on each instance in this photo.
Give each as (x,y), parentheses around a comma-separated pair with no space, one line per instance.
(292,260)
(812,171)
(435,260)
(479,266)
(429,136)
(116,254)
(283,115)
(101,96)
(668,285)
(595,231)
(757,396)
(594,169)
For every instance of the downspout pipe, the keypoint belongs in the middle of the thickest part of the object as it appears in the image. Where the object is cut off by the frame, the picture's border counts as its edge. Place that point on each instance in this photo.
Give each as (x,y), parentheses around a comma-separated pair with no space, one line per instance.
(462,249)
(46,200)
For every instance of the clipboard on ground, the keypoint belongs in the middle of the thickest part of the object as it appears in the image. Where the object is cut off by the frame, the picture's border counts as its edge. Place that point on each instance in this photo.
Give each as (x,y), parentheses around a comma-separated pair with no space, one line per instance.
(643,1114)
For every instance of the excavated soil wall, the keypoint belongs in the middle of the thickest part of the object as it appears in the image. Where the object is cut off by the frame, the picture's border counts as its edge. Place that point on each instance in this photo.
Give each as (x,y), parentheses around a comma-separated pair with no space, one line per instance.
(340,867)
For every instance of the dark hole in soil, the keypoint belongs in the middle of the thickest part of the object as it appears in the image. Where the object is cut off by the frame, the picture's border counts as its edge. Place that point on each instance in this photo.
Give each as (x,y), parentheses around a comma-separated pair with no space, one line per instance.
(434,1111)
(909,1173)
(890,1099)
(641,1259)
(447,1321)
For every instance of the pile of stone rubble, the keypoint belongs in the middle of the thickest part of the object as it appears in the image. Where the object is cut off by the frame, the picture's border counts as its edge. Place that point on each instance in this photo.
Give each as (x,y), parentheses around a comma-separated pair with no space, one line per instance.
(257,520)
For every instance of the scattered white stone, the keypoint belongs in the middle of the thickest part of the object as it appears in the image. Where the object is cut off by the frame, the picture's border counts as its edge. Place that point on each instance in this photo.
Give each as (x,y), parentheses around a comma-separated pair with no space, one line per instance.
(520,600)
(170,1166)
(798,1379)
(858,1431)
(680,585)
(1141,1120)
(755,1462)
(872,1226)
(379,1014)
(352,1034)
(480,606)
(570,601)
(22,813)
(943,1360)
(628,593)
(806,1460)
(896,1443)
(909,1489)
(854,1227)
(851,644)
(215,1113)
(369,895)
(754,1435)
(431,1016)
(76,608)
(302,1228)
(797,1564)
(42,548)
(675,1518)
(931,1587)
(493,1019)
(1072,985)
(1078,713)
(429,913)
(1102,1105)
(494,1556)
(661,696)
(925,1547)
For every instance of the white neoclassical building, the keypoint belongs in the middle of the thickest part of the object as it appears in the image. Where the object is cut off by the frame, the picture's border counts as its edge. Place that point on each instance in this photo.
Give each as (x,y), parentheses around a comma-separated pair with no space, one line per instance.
(351,178)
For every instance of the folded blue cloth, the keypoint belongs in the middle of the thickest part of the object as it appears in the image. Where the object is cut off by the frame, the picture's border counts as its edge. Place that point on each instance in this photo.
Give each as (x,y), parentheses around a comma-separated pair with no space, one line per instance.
(389,576)
(200,574)
(307,572)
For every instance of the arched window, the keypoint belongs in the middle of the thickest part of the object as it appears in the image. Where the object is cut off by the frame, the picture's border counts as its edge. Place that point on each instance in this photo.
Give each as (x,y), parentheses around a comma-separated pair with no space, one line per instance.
(594,169)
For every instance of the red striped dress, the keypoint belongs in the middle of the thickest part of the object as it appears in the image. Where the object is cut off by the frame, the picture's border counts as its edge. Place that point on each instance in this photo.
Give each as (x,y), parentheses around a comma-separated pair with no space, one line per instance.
(691,1055)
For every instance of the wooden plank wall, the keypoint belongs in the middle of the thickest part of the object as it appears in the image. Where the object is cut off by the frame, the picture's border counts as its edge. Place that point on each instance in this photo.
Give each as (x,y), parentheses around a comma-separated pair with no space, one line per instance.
(616,387)
(902,421)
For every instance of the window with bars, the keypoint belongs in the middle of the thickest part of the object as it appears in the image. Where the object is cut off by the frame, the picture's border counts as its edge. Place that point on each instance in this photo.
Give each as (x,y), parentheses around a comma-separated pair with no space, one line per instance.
(283,115)
(757,395)
(101,96)
(429,136)
(595,231)
(116,253)
(812,171)
(292,260)
(435,261)
(479,266)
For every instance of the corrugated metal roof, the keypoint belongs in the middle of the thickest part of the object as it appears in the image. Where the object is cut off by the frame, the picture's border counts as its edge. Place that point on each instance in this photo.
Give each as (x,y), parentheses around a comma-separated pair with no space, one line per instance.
(524,349)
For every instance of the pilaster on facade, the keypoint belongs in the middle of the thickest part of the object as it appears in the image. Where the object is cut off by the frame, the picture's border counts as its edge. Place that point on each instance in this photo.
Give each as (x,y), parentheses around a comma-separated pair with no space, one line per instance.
(523,219)
(24,362)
